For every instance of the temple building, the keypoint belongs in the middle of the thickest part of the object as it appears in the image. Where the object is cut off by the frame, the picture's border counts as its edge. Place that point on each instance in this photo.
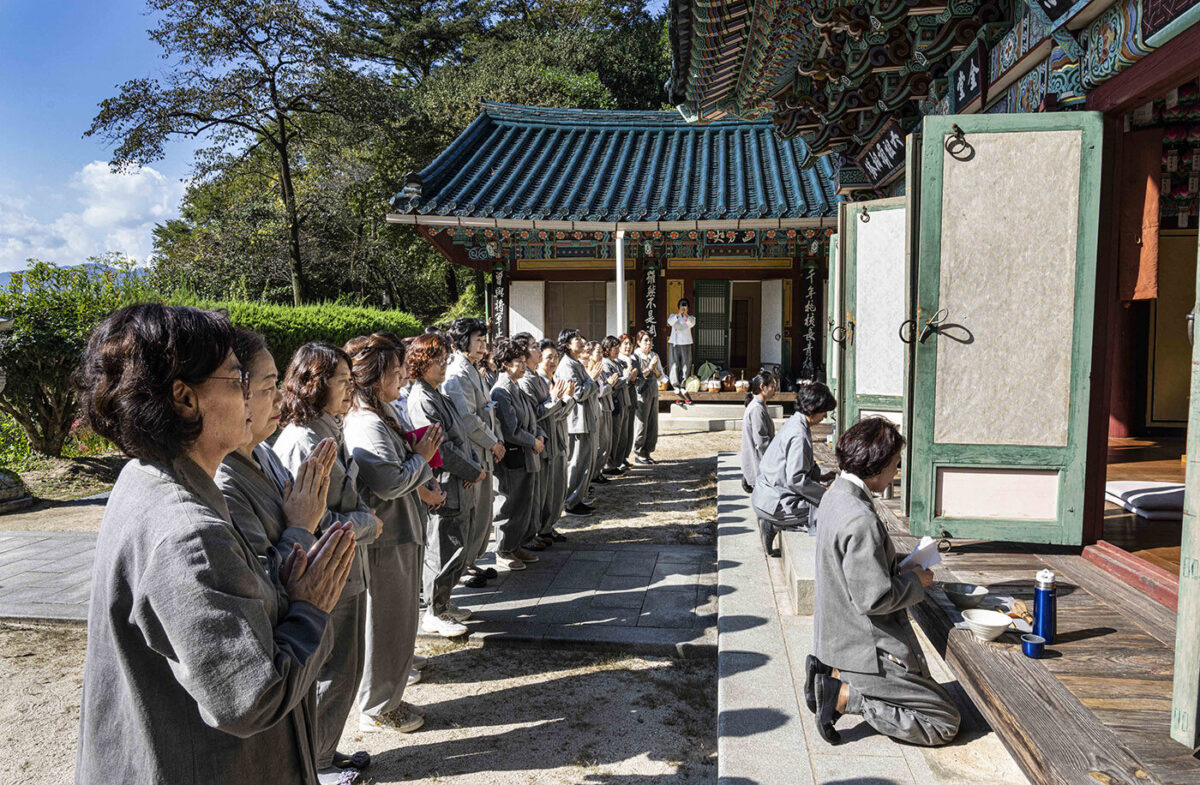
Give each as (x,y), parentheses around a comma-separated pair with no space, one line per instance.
(603,220)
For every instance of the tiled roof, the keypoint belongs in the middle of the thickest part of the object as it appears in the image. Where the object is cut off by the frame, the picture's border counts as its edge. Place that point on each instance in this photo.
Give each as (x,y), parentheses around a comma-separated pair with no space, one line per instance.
(520,162)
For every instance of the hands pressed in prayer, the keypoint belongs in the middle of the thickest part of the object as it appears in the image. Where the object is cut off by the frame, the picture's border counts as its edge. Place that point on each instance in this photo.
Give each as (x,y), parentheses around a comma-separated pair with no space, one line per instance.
(318,575)
(304,499)
(432,494)
(498,451)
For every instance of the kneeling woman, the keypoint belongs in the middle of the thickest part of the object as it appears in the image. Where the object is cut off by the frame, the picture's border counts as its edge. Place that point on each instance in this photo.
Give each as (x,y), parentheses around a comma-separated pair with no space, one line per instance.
(789,487)
(198,664)
(867,660)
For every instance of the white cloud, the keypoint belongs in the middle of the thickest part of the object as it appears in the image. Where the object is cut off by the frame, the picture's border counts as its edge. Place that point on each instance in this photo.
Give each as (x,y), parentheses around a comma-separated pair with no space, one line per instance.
(116,212)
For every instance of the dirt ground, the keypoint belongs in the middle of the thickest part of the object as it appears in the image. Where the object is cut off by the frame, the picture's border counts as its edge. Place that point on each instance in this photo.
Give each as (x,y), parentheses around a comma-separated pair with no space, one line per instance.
(495,716)
(63,479)
(674,502)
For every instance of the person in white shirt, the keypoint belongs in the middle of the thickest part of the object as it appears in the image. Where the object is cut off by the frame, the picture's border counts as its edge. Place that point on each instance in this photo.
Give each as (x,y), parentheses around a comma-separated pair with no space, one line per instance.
(680,346)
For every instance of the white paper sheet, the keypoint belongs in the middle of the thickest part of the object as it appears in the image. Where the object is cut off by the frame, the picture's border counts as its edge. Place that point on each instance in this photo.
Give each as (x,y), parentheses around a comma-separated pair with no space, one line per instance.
(925,555)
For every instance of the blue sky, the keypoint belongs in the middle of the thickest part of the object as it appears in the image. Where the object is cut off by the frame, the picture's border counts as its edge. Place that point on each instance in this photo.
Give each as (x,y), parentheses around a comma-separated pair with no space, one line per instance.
(58,201)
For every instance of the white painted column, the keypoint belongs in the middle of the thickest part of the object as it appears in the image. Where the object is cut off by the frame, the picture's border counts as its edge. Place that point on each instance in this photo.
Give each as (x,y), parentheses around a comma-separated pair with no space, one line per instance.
(622,314)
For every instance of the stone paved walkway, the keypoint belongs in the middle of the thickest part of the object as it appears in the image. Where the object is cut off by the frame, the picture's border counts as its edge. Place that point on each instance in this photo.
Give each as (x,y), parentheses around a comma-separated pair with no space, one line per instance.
(645,599)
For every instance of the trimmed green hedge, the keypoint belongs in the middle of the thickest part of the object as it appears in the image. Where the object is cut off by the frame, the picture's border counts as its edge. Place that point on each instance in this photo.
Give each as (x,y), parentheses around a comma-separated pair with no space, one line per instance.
(287,327)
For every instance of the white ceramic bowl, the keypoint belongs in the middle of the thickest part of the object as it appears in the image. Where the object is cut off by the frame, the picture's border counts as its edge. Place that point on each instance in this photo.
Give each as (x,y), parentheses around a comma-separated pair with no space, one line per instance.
(965,595)
(987,625)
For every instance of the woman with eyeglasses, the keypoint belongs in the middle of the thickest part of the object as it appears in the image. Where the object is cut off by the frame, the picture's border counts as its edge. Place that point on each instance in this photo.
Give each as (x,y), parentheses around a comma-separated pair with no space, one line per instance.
(446,546)
(316,396)
(200,655)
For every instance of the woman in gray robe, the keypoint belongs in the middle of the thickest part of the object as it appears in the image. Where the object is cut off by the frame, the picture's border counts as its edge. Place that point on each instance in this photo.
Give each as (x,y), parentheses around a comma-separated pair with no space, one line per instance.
(580,421)
(757,426)
(631,367)
(316,395)
(200,656)
(645,435)
(446,546)
(390,473)
(790,484)
(558,443)
(519,473)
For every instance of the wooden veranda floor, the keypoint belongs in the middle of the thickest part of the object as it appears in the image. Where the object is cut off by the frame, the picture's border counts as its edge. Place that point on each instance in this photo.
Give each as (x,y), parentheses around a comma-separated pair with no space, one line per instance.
(1097,708)
(1145,459)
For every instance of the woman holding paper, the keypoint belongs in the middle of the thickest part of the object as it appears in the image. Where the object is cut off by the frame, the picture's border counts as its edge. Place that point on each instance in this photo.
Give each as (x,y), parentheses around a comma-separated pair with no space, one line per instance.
(867,661)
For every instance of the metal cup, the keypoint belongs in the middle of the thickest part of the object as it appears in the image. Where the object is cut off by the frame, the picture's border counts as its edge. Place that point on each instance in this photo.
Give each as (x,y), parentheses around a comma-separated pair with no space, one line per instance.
(1033,645)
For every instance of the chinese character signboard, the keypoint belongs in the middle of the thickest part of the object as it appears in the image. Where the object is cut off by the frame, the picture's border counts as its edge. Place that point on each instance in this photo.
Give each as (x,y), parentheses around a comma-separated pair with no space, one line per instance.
(882,159)
(968,86)
(650,299)
(499,288)
(811,356)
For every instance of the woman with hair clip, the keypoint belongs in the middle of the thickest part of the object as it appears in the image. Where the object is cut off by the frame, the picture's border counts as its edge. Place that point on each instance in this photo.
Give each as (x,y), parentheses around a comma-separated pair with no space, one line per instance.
(446,546)
(604,408)
(273,510)
(521,469)
(579,420)
(200,655)
(645,435)
(316,395)
(628,363)
(390,473)
(789,484)
(757,426)
(470,390)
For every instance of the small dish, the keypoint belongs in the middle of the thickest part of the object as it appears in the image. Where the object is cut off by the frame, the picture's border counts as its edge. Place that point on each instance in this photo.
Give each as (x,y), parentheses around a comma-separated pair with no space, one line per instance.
(965,595)
(987,625)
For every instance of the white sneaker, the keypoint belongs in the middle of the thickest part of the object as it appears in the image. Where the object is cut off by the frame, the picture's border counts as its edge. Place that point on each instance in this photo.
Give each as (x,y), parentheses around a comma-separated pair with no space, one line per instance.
(414,677)
(590,500)
(338,776)
(509,561)
(457,613)
(442,625)
(400,720)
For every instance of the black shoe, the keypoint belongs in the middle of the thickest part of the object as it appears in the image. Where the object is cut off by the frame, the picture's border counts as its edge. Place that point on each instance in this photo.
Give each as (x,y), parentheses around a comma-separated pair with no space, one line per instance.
(489,572)
(578,510)
(359,760)
(643,460)
(534,545)
(626,465)
(614,471)
(558,537)
(476,581)
(813,668)
(601,480)
(545,539)
(827,689)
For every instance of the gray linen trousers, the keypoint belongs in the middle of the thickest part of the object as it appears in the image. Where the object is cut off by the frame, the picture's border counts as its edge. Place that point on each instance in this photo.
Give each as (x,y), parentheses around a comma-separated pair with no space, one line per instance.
(517,511)
(645,434)
(389,473)
(338,682)
(624,441)
(604,424)
(446,529)
(580,422)
(466,387)
(198,668)
(551,412)
(757,431)
(861,625)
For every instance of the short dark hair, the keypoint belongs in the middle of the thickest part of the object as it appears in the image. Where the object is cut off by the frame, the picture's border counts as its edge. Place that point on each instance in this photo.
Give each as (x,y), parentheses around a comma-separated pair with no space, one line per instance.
(643,334)
(683,301)
(461,331)
(564,339)
(547,343)
(508,349)
(306,382)
(609,343)
(526,340)
(371,356)
(246,344)
(868,445)
(814,397)
(129,368)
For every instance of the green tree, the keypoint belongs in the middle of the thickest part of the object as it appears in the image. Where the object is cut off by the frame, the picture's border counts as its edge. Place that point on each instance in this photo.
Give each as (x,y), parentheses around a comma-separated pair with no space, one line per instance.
(245,73)
(54,310)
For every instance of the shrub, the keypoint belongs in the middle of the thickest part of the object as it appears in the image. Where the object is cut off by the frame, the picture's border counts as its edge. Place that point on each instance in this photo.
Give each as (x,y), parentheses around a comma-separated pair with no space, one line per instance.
(54,310)
(287,327)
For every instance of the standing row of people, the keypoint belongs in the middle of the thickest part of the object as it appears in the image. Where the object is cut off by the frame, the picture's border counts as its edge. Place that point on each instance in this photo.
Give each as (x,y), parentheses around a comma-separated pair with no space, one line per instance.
(252,590)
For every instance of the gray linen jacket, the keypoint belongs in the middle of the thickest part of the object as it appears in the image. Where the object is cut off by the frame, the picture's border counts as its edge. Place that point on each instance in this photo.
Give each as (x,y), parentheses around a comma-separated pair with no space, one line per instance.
(253,490)
(579,419)
(198,667)
(559,439)
(550,411)
(389,473)
(465,387)
(518,420)
(295,443)
(651,372)
(616,401)
(630,389)
(788,486)
(757,431)
(861,596)
(460,463)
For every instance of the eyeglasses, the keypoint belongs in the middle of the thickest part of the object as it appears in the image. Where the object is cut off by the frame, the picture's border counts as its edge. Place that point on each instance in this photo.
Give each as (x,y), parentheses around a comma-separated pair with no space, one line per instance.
(243,380)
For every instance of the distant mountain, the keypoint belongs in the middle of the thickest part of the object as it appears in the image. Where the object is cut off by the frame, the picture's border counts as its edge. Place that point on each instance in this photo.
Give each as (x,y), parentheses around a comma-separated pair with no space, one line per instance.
(5,278)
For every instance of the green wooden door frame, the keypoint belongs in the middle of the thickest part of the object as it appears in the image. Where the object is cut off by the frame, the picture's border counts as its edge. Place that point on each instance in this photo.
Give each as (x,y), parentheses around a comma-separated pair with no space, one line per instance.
(832,316)
(1069,461)
(1185,703)
(850,403)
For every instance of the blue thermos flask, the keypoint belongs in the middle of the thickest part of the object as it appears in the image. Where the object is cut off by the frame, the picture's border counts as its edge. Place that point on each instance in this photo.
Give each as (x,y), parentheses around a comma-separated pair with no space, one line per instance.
(1045,606)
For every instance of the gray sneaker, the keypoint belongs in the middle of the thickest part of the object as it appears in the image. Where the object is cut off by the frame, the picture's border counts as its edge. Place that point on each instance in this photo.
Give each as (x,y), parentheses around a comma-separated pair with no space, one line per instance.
(457,613)
(401,720)
(442,625)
